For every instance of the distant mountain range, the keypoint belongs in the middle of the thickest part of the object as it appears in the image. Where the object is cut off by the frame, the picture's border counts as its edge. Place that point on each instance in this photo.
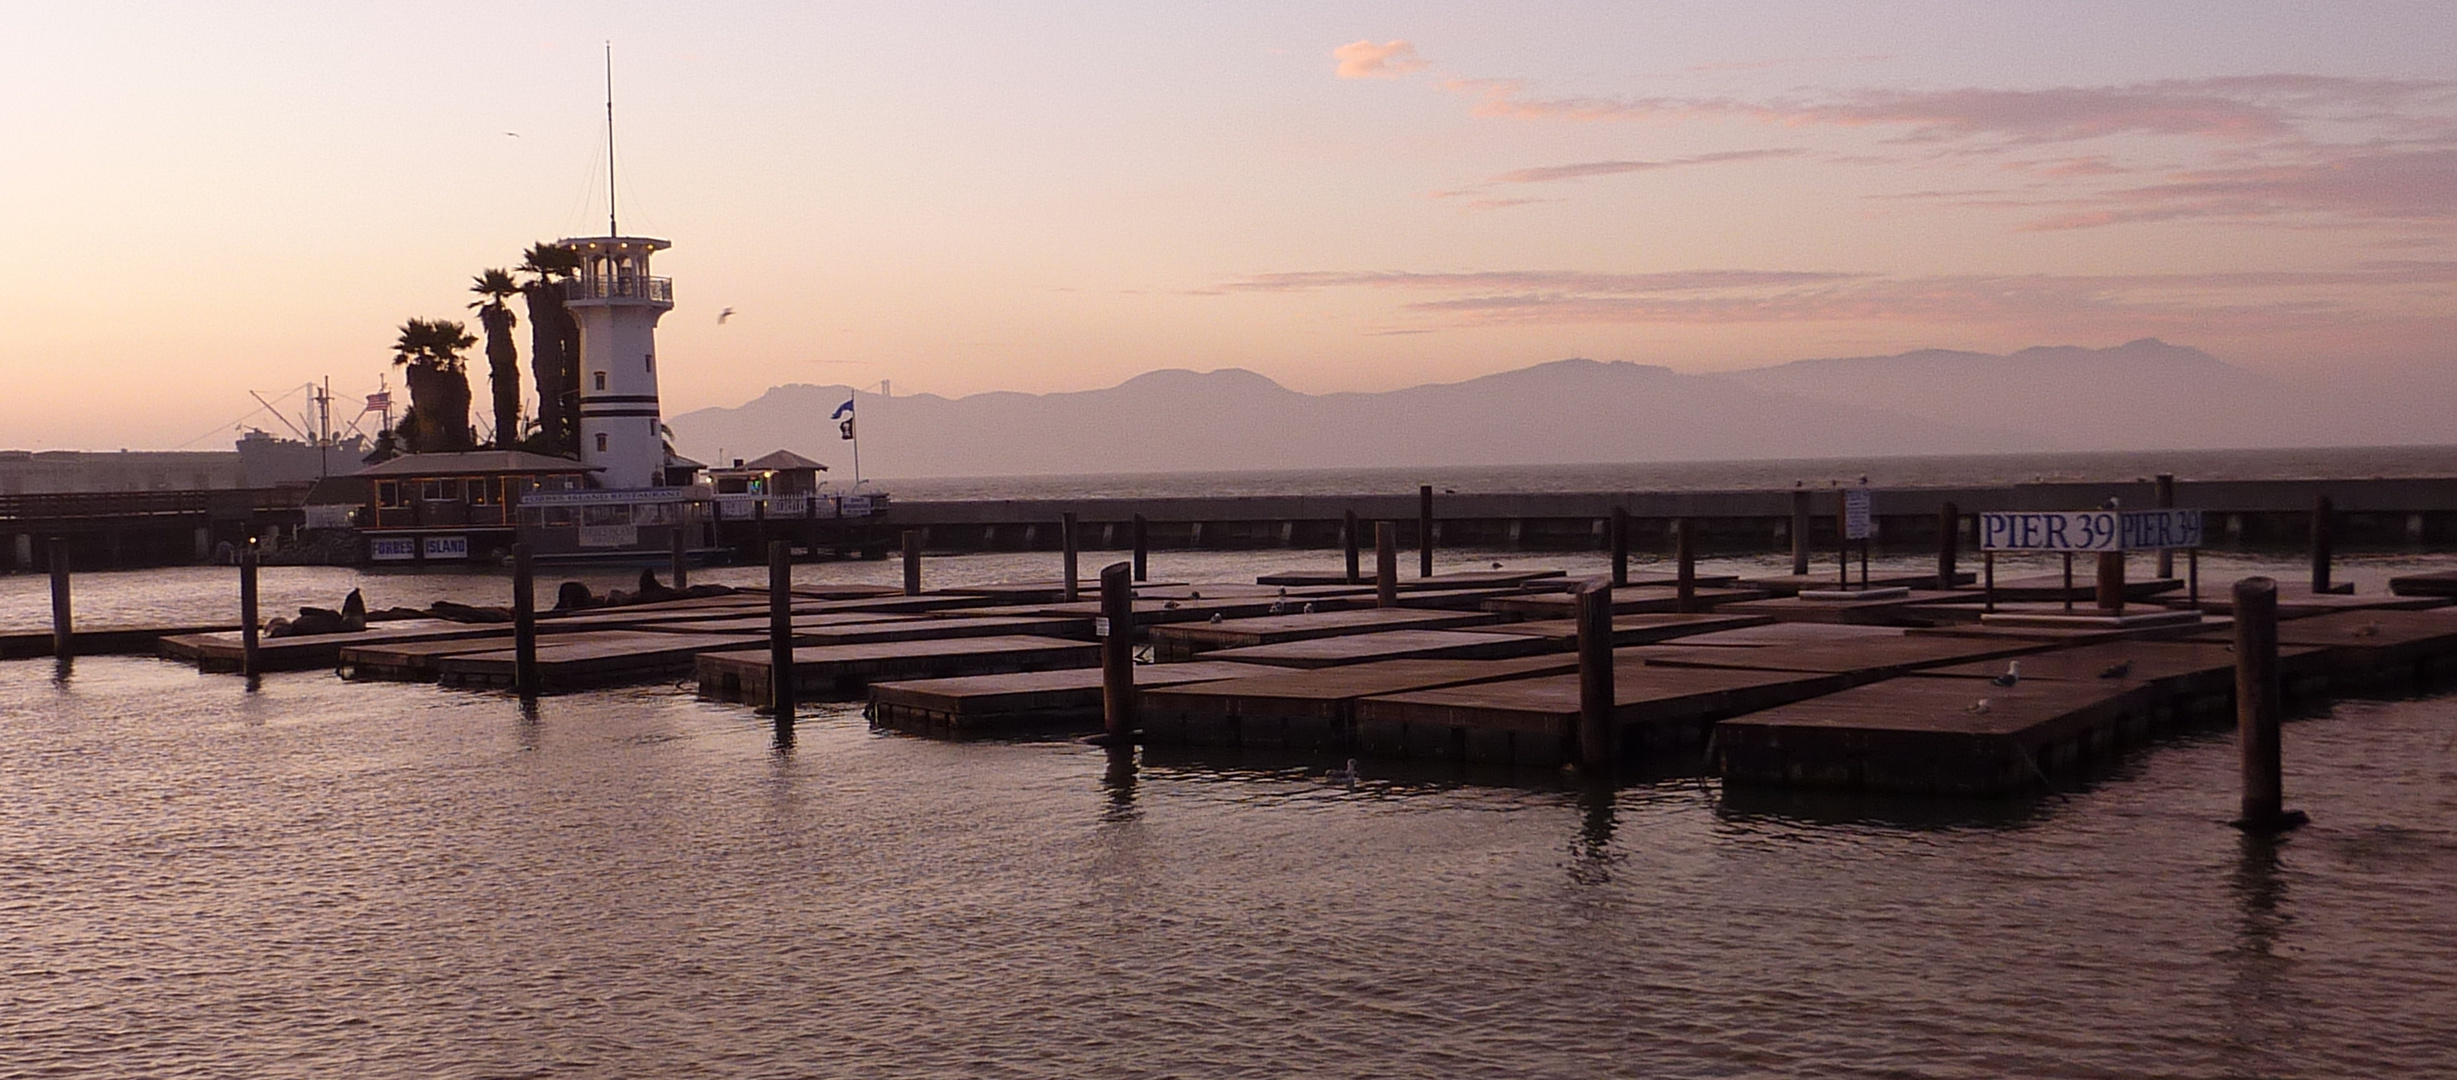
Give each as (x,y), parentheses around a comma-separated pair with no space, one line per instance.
(2141,395)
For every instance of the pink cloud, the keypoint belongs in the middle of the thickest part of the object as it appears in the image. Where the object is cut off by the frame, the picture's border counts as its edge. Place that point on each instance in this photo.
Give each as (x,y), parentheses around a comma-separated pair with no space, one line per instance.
(1366,60)
(2361,185)
(1548,173)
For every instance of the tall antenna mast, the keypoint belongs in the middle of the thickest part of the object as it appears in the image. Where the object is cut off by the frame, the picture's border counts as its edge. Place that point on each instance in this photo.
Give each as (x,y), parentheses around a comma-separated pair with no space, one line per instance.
(611,230)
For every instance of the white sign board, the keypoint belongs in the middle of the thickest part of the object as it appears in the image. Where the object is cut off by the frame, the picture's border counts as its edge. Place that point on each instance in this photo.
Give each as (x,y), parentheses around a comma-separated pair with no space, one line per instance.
(855,506)
(2090,530)
(392,548)
(1855,514)
(447,547)
(609,536)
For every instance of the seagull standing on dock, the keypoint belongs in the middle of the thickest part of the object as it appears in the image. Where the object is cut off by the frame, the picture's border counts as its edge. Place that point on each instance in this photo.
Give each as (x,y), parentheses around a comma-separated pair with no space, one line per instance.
(1344,775)
(2012,675)
(1217,618)
(1977,708)
(2117,670)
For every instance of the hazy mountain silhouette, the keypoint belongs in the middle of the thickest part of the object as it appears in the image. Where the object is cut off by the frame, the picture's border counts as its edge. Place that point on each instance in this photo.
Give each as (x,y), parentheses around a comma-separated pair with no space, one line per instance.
(2141,395)
(1565,411)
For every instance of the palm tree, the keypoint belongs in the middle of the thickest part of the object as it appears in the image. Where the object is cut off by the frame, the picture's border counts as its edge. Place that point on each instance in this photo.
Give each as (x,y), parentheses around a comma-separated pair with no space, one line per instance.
(438,416)
(554,345)
(502,356)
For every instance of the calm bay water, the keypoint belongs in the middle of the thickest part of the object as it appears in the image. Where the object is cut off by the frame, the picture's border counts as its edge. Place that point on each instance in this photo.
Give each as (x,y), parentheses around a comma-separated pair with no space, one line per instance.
(320,878)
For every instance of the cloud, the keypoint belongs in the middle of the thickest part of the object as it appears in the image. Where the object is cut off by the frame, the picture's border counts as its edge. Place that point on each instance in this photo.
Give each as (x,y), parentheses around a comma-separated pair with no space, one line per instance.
(2355,185)
(1551,280)
(1549,173)
(1366,60)
(2235,109)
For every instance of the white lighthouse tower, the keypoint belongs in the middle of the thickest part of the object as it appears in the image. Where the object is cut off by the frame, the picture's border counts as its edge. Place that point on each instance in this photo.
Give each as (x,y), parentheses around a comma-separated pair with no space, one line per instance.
(617,303)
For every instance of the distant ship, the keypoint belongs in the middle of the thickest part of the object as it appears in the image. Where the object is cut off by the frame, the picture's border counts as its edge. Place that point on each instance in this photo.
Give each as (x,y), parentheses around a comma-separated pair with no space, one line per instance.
(270,461)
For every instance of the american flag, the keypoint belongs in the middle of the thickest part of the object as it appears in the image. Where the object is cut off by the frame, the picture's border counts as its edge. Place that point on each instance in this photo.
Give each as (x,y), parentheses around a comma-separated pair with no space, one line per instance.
(378,401)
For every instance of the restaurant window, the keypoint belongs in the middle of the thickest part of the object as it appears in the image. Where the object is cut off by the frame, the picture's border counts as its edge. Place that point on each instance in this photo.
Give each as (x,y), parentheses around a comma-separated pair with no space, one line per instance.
(482,491)
(388,494)
(558,515)
(437,490)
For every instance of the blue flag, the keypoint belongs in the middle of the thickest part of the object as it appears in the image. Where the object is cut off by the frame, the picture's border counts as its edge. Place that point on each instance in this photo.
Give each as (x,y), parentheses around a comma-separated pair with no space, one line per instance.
(842,409)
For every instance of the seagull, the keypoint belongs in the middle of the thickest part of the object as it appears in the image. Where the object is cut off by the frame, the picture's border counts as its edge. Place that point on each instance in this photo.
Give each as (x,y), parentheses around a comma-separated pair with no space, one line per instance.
(2012,675)
(1977,708)
(724,315)
(1309,607)
(2369,629)
(2110,504)
(1218,618)
(1194,594)
(1169,606)
(2117,670)
(1343,775)
(513,134)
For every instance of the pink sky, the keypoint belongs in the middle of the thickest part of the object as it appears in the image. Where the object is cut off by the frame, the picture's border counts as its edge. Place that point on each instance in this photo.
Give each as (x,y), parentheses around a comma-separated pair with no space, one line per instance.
(1340,196)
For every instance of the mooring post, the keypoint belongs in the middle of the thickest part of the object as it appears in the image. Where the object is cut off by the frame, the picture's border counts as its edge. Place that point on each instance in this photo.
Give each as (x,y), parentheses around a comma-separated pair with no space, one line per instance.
(2258,708)
(249,630)
(2165,499)
(1424,530)
(1620,546)
(1987,587)
(1949,544)
(2322,540)
(1117,653)
(1348,538)
(1800,532)
(2111,582)
(524,617)
(759,523)
(1386,564)
(1066,542)
(1595,691)
(1842,539)
(780,636)
(1685,565)
(2068,592)
(2192,577)
(63,621)
(1143,547)
(682,556)
(912,562)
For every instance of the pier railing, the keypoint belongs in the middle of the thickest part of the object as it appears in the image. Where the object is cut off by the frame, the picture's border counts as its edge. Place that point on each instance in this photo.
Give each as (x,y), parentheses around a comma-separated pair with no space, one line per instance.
(658,289)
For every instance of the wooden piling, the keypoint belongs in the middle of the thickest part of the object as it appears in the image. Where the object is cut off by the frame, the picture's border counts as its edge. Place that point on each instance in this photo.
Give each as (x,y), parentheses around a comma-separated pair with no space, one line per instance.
(2068,589)
(1424,531)
(524,615)
(1067,541)
(2258,708)
(1620,546)
(1987,584)
(912,562)
(1143,547)
(682,557)
(2165,500)
(2111,582)
(1842,539)
(1595,689)
(2323,540)
(1118,653)
(1800,532)
(250,633)
(63,621)
(1386,565)
(780,630)
(1349,539)
(1685,565)
(1949,544)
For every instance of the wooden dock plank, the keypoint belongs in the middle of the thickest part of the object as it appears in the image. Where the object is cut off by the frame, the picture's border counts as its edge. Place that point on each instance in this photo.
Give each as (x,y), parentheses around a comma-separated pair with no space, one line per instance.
(847,670)
(1860,661)
(1459,579)
(104,640)
(1629,629)
(1036,700)
(597,658)
(1938,735)
(2379,650)
(1790,584)
(1775,633)
(1312,707)
(1531,721)
(1907,609)
(2297,601)
(1630,601)
(1179,641)
(222,650)
(2440,583)
(1388,645)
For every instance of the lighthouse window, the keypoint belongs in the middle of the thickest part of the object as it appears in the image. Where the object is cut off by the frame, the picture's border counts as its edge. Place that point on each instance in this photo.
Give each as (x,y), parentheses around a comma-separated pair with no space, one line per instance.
(650,360)
(601,380)
(601,442)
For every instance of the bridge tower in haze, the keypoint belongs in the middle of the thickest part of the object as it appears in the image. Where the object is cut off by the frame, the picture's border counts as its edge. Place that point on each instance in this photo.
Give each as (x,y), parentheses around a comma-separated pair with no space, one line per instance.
(617,303)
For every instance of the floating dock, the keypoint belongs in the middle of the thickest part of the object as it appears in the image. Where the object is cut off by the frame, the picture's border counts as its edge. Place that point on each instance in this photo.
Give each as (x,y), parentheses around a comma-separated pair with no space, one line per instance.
(1311,709)
(600,658)
(1930,735)
(1856,661)
(1025,702)
(1630,601)
(1185,640)
(840,671)
(1626,629)
(1388,645)
(1533,721)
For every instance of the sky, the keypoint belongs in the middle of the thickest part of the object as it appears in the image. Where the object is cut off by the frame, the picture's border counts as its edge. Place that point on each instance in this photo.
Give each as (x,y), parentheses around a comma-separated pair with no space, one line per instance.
(206,199)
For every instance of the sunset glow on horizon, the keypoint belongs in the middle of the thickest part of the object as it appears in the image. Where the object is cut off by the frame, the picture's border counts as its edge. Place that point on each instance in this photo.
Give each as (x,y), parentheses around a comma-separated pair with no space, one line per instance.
(209,199)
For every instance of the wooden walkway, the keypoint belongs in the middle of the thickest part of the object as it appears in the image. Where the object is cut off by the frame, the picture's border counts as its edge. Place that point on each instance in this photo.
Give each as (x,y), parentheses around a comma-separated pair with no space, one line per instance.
(1311,708)
(839,671)
(1533,721)
(1027,702)
(1181,641)
(1388,645)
